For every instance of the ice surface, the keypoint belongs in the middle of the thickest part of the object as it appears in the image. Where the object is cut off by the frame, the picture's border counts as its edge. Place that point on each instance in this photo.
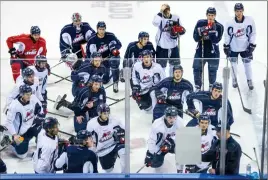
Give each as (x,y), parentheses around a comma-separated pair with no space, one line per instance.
(18,17)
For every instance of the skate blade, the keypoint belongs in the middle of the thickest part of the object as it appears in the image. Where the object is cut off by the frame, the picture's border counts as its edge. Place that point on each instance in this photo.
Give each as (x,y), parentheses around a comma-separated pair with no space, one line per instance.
(57,101)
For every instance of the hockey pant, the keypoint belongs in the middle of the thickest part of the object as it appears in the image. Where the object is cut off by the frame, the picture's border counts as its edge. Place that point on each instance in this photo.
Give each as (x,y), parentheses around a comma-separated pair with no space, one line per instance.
(163,55)
(108,161)
(246,58)
(147,101)
(159,110)
(89,115)
(3,168)
(213,65)
(111,64)
(22,149)
(17,66)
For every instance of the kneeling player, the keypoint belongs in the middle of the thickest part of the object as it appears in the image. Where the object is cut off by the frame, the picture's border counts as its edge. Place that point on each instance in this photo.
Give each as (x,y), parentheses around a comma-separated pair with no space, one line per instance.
(21,121)
(79,158)
(162,139)
(47,147)
(172,91)
(207,136)
(145,75)
(109,135)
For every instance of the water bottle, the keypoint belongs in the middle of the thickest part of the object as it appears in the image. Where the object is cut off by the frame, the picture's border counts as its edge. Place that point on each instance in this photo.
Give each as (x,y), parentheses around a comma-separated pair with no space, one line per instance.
(248,170)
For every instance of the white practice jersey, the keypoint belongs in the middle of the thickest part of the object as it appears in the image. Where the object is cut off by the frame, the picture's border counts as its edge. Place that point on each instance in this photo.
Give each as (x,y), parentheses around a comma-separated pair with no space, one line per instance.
(16,90)
(162,37)
(42,78)
(46,153)
(240,34)
(103,134)
(160,131)
(20,116)
(147,78)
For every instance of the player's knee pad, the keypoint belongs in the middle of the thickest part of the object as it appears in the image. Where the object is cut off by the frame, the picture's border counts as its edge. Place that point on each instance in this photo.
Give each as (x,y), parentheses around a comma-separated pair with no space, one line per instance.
(247,59)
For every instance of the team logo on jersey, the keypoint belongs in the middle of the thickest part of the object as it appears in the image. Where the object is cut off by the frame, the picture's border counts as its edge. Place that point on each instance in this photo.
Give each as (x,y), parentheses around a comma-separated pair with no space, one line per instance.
(239,32)
(106,136)
(103,48)
(211,112)
(204,147)
(146,78)
(78,37)
(31,52)
(29,115)
(174,96)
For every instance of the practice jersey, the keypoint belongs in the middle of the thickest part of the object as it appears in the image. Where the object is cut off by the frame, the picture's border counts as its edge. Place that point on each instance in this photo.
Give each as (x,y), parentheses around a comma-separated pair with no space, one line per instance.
(26,48)
(162,37)
(160,131)
(42,78)
(103,133)
(133,52)
(147,77)
(175,92)
(102,45)
(20,115)
(71,38)
(46,153)
(240,34)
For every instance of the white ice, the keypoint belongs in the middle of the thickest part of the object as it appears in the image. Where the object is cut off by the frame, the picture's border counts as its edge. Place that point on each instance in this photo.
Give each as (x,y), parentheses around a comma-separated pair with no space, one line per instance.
(18,17)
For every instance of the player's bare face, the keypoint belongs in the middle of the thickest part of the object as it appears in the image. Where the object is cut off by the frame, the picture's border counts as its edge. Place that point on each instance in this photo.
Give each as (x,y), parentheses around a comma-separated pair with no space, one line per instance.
(104,116)
(167,13)
(239,14)
(26,97)
(216,93)
(178,74)
(171,119)
(55,130)
(77,23)
(97,62)
(147,61)
(203,124)
(96,86)
(144,41)
(211,17)
(36,36)
(42,65)
(101,32)
(30,79)
(89,142)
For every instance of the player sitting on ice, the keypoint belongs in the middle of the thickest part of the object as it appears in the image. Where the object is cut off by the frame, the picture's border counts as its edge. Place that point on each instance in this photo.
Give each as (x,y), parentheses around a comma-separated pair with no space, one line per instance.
(41,72)
(27,78)
(108,45)
(210,103)
(72,37)
(87,70)
(85,103)
(162,139)
(109,136)
(78,158)
(145,75)
(240,40)
(134,50)
(29,46)
(47,147)
(23,120)
(172,91)
(208,134)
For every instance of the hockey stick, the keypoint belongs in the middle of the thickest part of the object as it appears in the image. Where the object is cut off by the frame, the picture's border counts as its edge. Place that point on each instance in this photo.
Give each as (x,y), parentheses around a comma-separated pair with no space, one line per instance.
(200,170)
(112,99)
(143,166)
(203,73)
(57,64)
(62,78)
(66,133)
(257,161)
(51,100)
(61,115)
(119,100)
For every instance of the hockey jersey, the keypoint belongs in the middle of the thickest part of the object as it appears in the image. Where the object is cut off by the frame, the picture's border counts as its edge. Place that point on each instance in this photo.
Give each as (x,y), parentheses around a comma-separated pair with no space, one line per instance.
(42,78)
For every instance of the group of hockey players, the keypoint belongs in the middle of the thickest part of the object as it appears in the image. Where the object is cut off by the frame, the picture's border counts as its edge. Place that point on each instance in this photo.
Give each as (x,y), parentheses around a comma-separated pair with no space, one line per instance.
(100,136)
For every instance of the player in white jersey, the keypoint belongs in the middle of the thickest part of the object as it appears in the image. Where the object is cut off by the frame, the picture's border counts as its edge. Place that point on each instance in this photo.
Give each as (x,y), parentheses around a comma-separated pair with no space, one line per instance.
(208,134)
(41,72)
(27,78)
(47,147)
(145,75)
(22,120)
(109,135)
(240,36)
(169,31)
(162,139)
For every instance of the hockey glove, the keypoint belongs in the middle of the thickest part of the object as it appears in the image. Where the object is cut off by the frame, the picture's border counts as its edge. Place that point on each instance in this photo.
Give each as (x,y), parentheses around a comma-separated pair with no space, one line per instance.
(113,49)
(203,31)
(178,29)
(136,93)
(148,159)
(193,113)
(2,128)
(251,48)
(227,50)
(119,135)
(161,99)
(13,53)
(168,145)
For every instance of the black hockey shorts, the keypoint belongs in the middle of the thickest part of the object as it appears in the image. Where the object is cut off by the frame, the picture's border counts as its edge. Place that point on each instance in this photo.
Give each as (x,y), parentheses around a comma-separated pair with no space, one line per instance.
(108,161)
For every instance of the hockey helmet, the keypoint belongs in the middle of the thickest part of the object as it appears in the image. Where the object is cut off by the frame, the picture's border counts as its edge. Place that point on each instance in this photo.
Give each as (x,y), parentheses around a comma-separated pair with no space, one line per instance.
(101,24)
(177,67)
(49,123)
(25,89)
(103,108)
(211,10)
(146,53)
(27,72)
(35,30)
(82,135)
(217,85)
(171,111)
(143,34)
(238,6)
(204,117)
(95,55)
(96,78)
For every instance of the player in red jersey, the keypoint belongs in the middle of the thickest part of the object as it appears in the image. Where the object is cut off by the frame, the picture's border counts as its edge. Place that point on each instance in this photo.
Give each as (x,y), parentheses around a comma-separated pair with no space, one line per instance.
(29,46)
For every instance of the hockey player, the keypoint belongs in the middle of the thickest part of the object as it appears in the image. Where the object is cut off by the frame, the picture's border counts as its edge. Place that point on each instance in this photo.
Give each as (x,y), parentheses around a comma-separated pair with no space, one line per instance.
(108,45)
(240,39)
(23,120)
(47,147)
(85,103)
(87,70)
(162,139)
(208,135)
(41,72)
(72,37)
(109,135)
(29,46)
(79,158)
(145,75)
(3,167)
(172,91)
(210,103)
(167,37)
(207,33)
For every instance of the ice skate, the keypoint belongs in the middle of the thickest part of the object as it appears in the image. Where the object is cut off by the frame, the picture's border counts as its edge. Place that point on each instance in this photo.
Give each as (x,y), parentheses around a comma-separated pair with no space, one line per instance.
(60,101)
(121,75)
(250,85)
(235,83)
(115,87)
(197,88)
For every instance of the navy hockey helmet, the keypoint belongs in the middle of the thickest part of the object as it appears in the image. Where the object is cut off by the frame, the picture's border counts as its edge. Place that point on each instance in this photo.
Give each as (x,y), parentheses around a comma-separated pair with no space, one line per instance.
(217,85)
(204,117)
(146,53)
(49,123)
(76,17)
(82,135)
(40,58)
(103,108)
(96,78)
(27,72)
(101,24)
(171,111)
(211,10)
(35,30)
(238,6)
(25,89)
(143,34)
(95,55)
(177,67)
